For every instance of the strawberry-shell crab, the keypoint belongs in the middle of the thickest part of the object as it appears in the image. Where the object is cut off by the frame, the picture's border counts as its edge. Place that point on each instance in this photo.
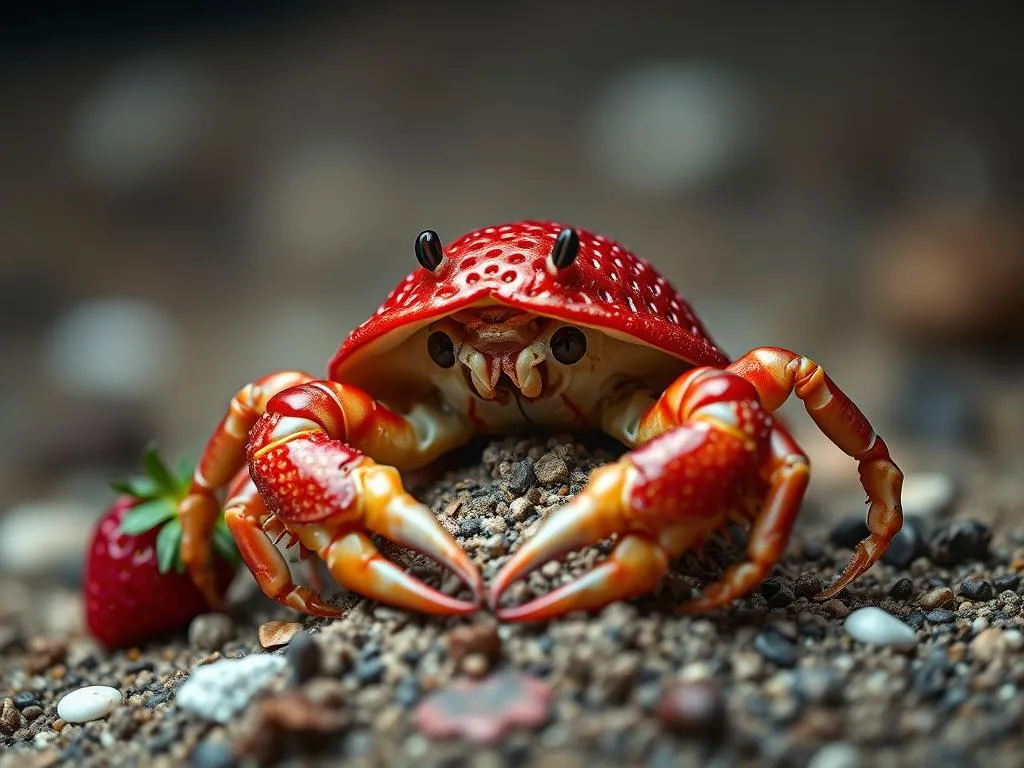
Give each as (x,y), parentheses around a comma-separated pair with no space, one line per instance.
(527,325)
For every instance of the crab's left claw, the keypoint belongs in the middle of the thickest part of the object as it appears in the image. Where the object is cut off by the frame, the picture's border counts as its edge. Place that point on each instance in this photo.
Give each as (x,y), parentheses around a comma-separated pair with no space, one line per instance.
(634,567)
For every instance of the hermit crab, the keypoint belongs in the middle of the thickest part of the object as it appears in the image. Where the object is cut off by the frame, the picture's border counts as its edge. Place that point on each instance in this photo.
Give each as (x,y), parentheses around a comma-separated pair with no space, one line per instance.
(527,326)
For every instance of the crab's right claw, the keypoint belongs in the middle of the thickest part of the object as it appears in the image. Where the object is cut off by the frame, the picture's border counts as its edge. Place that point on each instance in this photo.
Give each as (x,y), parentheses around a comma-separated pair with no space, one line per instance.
(635,566)
(198,513)
(356,564)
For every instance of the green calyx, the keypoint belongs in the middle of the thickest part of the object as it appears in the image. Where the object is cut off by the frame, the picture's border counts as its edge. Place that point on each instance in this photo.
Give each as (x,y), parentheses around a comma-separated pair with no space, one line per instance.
(158,493)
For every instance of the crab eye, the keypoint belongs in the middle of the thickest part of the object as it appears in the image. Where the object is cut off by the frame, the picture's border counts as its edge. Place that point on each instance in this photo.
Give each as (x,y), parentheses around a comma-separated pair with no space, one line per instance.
(568,345)
(441,349)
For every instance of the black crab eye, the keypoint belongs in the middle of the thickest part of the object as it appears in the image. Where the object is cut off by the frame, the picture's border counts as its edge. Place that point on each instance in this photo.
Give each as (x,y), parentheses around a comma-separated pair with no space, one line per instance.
(441,349)
(568,345)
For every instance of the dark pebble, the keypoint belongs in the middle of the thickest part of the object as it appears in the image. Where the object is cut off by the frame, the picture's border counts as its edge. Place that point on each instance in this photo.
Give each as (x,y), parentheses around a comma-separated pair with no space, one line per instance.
(953,698)
(770,588)
(914,620)
(158,698)
(959,543)
(782,598)
(693,710)
(26,699)
(848,532)
(813,550)
(902,589)
(212,753)
(807,586)
(1009,581)
(303,657)
(412,657)
(906,546)
(771,644)
(369,671)
(929,681)
(142,665)
(470,526)
(976,590)
(940,616)
(408,691)
(522,478)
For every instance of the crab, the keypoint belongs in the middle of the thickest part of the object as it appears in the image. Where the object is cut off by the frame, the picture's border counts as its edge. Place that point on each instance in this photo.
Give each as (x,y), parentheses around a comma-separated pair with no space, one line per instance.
(527,326)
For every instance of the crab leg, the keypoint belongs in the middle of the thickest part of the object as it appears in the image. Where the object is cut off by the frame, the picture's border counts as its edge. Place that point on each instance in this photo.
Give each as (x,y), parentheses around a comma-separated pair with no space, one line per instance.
(710,453)
(306,458)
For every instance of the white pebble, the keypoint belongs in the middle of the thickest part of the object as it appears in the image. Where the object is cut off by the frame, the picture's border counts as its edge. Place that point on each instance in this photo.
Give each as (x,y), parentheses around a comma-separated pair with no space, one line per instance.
(218,691)
(926,494)
(875,626)
(89,703)
(838,754)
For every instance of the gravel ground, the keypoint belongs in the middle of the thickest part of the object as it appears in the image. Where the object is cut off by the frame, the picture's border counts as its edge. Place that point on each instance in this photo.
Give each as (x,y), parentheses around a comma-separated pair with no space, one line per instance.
(775,679)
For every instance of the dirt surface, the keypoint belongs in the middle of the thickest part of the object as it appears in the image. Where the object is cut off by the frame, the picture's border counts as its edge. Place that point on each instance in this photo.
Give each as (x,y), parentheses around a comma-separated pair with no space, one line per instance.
(774,679)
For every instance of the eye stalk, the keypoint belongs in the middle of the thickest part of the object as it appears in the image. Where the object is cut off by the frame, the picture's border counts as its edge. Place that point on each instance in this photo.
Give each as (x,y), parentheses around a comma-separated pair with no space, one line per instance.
(565,249)
(568,345)
(428,249)
(441,349)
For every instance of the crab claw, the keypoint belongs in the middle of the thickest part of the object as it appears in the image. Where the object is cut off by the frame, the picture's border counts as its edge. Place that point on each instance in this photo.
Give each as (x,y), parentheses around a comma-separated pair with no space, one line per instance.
(635,566)
(354,561)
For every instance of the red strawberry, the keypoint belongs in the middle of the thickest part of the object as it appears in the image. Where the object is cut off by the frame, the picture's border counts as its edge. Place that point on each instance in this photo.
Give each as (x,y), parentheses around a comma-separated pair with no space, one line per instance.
(135,585)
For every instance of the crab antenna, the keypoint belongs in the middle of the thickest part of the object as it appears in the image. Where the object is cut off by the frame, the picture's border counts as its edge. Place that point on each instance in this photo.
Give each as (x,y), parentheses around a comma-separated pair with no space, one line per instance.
(566,246)
(428,249)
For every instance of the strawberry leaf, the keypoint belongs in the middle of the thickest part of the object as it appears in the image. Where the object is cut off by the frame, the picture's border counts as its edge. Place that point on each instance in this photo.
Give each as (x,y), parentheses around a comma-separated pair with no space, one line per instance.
(224,543)
(184,467)
(148,515)
(137,487)
(157,470)
(168,541)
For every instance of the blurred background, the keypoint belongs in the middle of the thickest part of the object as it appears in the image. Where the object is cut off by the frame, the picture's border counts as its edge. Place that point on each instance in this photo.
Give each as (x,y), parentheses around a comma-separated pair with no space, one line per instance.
(192,196)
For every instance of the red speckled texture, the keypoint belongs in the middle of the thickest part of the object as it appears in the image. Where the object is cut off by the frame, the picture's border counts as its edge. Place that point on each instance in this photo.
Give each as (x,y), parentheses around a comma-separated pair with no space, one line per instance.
(606,287)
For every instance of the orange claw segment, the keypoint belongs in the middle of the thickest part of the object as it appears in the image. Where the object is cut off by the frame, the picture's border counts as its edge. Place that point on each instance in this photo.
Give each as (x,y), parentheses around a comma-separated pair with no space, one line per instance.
(355,563)
(634,567)
(596,513)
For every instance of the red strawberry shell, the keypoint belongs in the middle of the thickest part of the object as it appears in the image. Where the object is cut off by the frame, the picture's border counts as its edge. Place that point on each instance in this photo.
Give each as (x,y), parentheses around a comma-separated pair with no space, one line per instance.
(127,599)
(607,287)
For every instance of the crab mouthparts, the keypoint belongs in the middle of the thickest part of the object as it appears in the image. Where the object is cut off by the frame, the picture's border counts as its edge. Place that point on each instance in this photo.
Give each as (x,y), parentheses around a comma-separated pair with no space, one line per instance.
(486,372)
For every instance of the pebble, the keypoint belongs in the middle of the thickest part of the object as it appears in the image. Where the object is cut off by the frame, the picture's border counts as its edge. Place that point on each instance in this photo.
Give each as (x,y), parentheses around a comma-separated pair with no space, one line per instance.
(693,709)
(522,478)
(927,494)
(936,598)
(940,616)
(210,631)
(481,639)
(838,754)
(849,532)
(906,545)
(837,608)
(10,718)
(961,542)
(977,590)
(1008,581)
(220,690)
(876,627)
(25,699)
(902,589)
(277,633)
(550,469)
(989,644)
(212,753)
(775,647)
(303,656)
(89,703)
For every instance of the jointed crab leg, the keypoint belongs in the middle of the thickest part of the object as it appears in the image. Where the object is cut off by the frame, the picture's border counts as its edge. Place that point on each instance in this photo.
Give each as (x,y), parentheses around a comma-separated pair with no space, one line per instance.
(305,459)
(710,453)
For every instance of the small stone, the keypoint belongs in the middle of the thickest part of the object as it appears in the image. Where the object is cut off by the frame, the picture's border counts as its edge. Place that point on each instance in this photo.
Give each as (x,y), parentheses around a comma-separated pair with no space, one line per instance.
(977,590)
(369,671)
(10,717)
(838,754)
(493,525)
(936,598)
(480,639)
(551,569)
(522,478)
(58,724)
(775,647)
(693,709)
(303,656)
(876,627)
(927,494)
(277,633)
(90,703)
(940,616)
(902,589)
(496,545)
(219,690)
(31,712)
(989,644)
(475,665)
(25,699)
(210,631)
(961,542)
(212,753)
(551,469)
(837,608)
(1006,582)
(849,532)
(905,546)
(520,509)
(807,586)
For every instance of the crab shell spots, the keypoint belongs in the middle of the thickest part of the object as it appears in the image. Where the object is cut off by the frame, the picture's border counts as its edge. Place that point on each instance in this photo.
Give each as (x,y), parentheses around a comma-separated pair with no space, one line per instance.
(607,287)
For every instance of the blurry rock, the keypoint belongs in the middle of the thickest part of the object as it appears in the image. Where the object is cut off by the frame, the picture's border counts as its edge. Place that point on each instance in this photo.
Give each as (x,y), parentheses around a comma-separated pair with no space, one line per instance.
(662,128)
(275,633)
(140,125)
(209,631)
(952,277)
(44,537)
(112,347)
(218,691)
(693,709)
